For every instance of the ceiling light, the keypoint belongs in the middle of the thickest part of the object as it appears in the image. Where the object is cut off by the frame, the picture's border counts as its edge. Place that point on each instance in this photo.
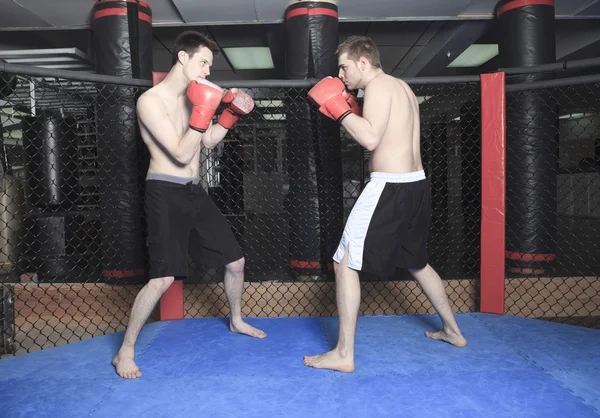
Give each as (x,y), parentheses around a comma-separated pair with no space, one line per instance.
(274,116)
(268,103)
(250,58)
(475,55)
(576,115)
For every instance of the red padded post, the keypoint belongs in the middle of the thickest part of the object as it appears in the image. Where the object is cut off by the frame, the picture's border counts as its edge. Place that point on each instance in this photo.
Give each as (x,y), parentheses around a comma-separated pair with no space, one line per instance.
(171,303)
(493,192)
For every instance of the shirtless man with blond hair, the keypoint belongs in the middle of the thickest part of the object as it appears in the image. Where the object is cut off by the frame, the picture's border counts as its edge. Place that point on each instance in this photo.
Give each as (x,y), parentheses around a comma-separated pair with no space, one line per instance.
(175,123)
(389,224)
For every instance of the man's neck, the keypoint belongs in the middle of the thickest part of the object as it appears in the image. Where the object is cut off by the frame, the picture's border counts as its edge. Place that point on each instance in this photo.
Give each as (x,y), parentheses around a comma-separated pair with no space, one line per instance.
(176,82)
(368,77)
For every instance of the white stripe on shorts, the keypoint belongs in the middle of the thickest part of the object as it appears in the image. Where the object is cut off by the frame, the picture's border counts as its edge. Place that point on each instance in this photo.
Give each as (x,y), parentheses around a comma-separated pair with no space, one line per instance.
(357,226)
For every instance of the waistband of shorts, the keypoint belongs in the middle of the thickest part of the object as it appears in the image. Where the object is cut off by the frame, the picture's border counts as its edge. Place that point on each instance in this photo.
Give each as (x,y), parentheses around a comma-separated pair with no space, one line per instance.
(398,177)
(172,179)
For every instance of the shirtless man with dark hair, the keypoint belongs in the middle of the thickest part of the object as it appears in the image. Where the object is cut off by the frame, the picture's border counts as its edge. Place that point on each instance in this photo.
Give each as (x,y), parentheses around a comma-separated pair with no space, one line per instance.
(389,224)
(175,123)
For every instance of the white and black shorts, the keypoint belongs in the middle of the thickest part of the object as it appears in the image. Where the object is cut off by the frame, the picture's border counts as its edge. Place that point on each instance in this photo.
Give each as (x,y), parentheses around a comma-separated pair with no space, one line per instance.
(388,227)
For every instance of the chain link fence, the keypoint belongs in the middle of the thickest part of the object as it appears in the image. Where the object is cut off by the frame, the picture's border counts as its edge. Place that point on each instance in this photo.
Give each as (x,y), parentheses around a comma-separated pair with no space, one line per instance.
(270,236)
(553,203)
(73,252)
(62,208)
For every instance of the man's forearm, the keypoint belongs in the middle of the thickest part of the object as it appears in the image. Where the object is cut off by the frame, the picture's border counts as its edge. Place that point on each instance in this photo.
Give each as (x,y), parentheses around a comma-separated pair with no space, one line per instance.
(188,146)
(361,130)
(214,135)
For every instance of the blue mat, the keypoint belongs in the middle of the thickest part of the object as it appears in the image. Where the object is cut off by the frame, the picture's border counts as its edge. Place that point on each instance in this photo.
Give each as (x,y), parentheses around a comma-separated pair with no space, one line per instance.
(512,367)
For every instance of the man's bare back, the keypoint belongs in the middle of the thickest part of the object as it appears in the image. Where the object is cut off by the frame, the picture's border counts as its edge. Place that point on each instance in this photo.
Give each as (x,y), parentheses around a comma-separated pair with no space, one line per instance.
(175,110)
(399,150)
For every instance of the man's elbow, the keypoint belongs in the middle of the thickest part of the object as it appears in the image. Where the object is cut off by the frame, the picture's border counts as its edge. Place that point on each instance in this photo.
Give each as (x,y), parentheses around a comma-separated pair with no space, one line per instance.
(182,158)
(372,142)
(209,144)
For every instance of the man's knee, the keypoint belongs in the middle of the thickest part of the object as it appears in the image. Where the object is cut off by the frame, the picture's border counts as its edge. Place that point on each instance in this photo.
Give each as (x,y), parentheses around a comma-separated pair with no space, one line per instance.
(236,266)
(161,285)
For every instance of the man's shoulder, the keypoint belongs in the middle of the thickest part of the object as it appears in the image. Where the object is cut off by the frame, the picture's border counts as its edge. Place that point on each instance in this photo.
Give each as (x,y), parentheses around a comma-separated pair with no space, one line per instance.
(382,83)
(149,95)
(406,89)
(148,98)
(149,107)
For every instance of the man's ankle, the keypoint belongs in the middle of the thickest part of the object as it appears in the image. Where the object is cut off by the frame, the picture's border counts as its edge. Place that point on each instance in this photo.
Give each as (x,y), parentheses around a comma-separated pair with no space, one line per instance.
(451,330)
(344,352)
(127,347)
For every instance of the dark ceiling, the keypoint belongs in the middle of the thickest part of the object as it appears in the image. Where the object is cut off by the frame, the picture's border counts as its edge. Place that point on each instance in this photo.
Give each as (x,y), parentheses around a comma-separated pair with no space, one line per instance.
(411,40)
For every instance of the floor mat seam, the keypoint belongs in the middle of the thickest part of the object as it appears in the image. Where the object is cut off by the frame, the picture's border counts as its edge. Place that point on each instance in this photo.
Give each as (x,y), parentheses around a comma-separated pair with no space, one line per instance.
(142,350)
(104,397)
(537,366)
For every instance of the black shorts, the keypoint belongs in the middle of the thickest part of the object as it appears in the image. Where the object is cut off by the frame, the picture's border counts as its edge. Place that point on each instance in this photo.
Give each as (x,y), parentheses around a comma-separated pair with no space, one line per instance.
(389,225)
(183,220)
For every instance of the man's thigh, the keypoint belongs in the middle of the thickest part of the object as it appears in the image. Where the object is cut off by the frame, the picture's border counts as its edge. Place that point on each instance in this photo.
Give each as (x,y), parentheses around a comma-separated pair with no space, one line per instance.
(212,242)
(168,224)
(388,225)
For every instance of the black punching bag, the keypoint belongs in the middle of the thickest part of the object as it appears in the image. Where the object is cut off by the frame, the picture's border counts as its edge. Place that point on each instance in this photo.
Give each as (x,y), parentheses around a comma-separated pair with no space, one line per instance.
(527,38)
(50,143)
(315,198)
(122,47)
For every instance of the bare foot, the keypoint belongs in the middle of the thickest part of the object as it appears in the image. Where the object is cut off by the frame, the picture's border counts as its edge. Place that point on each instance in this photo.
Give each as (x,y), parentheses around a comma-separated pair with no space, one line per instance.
(454,338)
(332,360)
(241,327)
(126,367)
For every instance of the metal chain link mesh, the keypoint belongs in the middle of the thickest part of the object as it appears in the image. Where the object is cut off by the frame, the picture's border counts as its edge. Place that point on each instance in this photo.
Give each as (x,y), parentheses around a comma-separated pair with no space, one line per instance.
(52,286)
(72,203)
(450,135)
(553,204)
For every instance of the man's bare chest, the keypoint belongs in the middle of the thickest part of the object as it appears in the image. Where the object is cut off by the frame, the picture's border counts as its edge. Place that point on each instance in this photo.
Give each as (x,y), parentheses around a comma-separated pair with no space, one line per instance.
(179,115)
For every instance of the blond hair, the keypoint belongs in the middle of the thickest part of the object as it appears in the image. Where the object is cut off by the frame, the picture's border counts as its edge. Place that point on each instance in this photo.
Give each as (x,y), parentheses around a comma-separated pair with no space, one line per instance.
(360,46)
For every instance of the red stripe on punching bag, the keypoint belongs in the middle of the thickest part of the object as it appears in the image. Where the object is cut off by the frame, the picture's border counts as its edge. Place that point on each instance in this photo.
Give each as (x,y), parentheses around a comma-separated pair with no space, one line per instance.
(513,255)
(319,11)
(141,3)
(145,17)
(305,264)
(123,273)
(120,12)
(524,3)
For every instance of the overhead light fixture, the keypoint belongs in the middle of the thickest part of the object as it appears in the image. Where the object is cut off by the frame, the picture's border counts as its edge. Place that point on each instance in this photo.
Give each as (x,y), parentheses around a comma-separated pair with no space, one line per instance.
(268,103)
(474,56)
(577,115)
(250,58)
(274,116)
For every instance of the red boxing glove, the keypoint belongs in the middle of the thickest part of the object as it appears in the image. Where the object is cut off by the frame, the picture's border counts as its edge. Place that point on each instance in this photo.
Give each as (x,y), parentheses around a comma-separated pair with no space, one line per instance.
(328,94)
(351,100)
(239,103)
(206,97)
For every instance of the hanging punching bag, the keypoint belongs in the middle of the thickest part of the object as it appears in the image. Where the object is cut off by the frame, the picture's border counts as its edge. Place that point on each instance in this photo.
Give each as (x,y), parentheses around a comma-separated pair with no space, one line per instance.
(123,47)
(50,145)
(527,38)
(315,198)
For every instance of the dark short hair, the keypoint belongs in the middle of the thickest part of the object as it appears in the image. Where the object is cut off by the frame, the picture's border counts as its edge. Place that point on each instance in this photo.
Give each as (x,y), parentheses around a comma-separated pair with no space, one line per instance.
(360,46)
(190,41)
